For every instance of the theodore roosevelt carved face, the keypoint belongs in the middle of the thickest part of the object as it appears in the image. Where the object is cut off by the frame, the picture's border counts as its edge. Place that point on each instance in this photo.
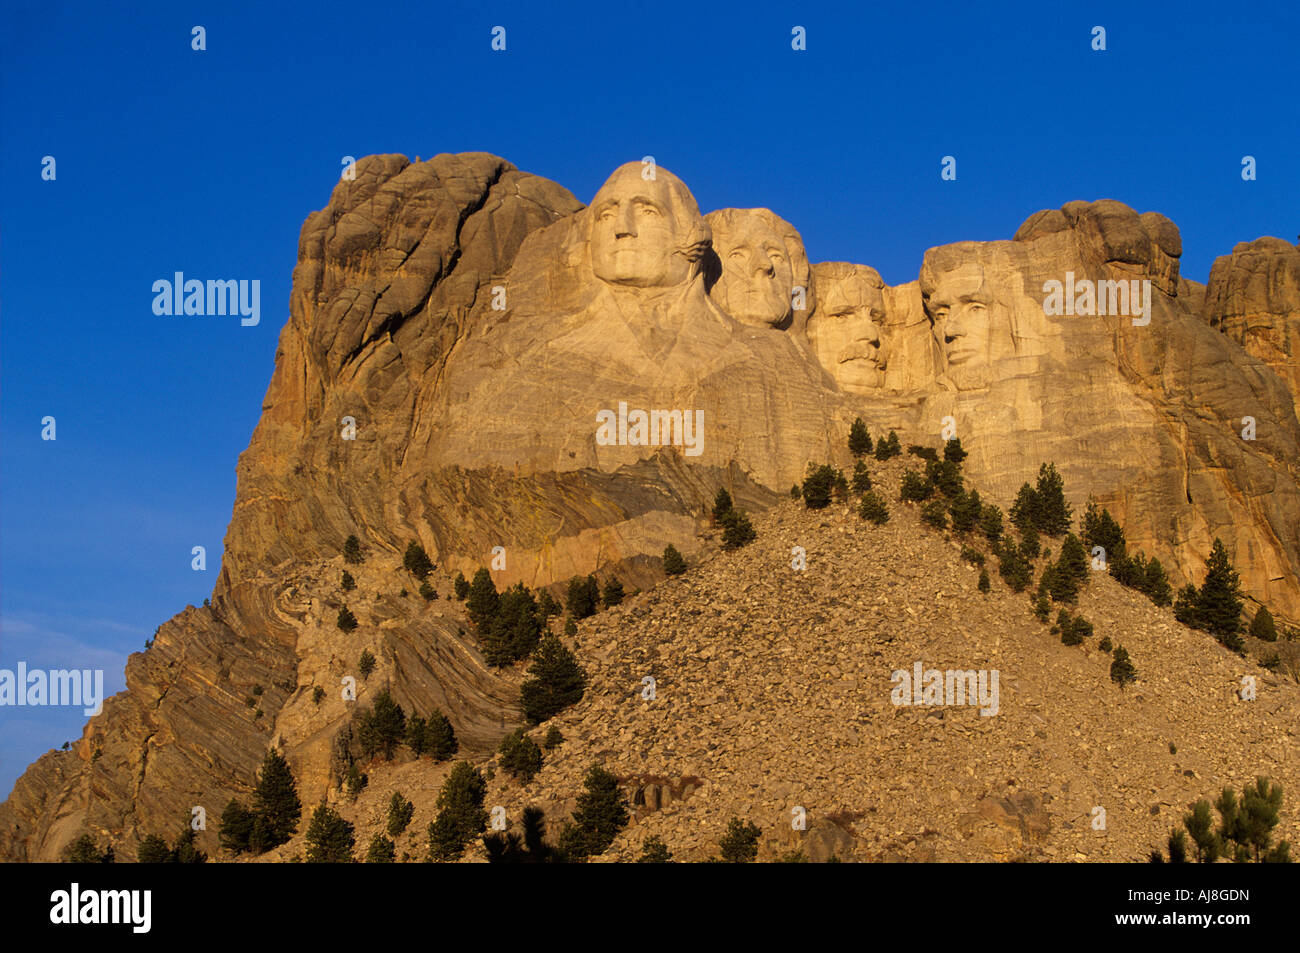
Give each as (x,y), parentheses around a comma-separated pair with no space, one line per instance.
(845,329)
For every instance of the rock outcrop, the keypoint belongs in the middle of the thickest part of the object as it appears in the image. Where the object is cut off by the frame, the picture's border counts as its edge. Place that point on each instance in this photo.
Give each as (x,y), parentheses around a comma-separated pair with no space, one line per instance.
(474,359)
(1254,298)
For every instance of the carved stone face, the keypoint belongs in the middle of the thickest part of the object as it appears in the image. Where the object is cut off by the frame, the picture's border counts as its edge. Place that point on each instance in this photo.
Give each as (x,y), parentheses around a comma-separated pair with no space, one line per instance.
(757,275)
(961,307)
(845,329)
(640,228)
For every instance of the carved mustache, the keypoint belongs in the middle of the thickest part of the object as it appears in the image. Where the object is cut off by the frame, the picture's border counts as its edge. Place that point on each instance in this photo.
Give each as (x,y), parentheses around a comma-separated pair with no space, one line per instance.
(862,350)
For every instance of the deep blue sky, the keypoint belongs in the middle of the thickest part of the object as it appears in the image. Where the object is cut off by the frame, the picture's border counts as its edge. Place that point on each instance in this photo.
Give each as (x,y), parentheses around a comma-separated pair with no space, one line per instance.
(173,160)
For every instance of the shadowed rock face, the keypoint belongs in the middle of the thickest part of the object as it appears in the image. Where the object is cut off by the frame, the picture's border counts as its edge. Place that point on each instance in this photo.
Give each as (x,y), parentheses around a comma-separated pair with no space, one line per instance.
(475,321)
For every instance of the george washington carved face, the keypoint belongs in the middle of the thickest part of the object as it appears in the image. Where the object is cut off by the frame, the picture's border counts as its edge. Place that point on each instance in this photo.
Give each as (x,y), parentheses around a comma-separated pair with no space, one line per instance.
(645,233)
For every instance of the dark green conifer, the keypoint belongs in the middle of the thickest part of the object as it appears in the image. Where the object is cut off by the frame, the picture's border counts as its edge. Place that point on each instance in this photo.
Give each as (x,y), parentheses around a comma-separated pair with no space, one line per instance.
(557,681)
(674,564)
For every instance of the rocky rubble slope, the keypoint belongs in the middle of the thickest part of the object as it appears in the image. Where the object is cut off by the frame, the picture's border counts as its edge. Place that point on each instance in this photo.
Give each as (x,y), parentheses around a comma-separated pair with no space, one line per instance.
(773,692)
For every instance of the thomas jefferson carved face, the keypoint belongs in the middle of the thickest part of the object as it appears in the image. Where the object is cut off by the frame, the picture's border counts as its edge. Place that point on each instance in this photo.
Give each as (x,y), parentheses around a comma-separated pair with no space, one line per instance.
(757,264)
(845,329)
(645,233)
(757,276)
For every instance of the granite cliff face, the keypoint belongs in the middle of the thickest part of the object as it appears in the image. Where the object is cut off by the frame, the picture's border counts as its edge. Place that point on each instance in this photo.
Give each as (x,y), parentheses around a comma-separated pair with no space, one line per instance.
(475,359)
(1254,298)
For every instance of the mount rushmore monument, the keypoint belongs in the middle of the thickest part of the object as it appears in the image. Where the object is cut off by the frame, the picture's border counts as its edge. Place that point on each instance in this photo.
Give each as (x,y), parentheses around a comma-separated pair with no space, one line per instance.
(574,383)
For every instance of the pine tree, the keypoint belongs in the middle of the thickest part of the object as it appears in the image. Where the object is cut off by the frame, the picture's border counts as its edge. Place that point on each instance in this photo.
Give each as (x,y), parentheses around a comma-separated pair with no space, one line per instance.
(400,812)
(840,487)
(888,447)
(1100,529)
(346,620)
(427,592)
(439,737)
(817,486)
(598,818)
(1042,601)
(1073,560)
(520,756)
(153,850)
(1029,544)
(382,851)
(944,476)
(554,738)
(557,681)
(366,663)
(859,439)
(1122,671)
(873,508)
(861,478)
(737,530)
(275,800)
(952,450)
(722,505)
(1218,603)
(547,608)
(417,561)
(655,851)
(584,597)
(531,848)
(914,488)
(347,582)
(1186,608)
(1155,583)
(1260,806)
(329,837)
(460,813)
(514,628)
(984,581)
(991,522)
(1177,847)
(613,594)
(481,606)
(1024,511)
(352,550)
(1200,826)
(382,727)
(935,513)
(966,509)
(1053,512)
(1262,627)
(186,851)
(84,850)
(236,827)
(740,843)
(461,586)
(1015,569)
(674,564)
